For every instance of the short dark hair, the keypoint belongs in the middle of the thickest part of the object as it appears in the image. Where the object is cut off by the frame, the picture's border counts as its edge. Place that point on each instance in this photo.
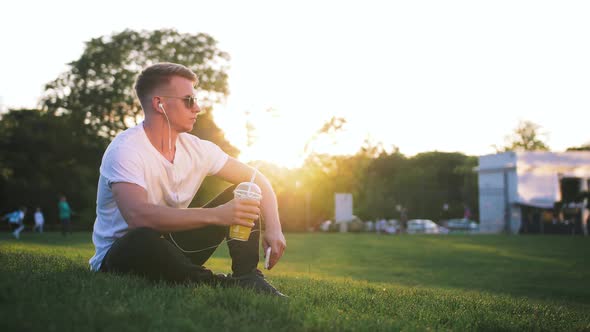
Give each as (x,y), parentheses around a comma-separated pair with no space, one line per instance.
(160,73)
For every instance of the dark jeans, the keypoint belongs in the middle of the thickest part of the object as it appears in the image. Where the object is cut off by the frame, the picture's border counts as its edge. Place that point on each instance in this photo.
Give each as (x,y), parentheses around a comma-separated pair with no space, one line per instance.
(148,253)
(65,226)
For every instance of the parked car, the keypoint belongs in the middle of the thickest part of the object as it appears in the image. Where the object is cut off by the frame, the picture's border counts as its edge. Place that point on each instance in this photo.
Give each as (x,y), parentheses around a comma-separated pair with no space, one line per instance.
(462,225)
(425,226)
(390,226)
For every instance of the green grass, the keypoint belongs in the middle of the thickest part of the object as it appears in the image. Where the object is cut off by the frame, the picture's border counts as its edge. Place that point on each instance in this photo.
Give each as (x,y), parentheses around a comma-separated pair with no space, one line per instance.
(335,282)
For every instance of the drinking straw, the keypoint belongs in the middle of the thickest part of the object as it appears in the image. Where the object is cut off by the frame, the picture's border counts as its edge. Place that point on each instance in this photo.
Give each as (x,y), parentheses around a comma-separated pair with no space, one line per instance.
(252,181)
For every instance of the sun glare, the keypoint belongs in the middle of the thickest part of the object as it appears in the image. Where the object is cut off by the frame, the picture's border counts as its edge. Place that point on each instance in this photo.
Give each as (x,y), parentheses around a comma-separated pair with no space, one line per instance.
(281,137)
(264,135)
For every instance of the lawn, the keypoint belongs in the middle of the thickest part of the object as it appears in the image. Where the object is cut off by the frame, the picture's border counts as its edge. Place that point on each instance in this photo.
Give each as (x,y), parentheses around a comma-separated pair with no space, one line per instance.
(336,282)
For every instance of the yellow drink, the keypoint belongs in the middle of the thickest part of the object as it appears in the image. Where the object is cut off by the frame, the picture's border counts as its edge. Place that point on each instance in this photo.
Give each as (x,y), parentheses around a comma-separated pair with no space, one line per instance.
(245,190)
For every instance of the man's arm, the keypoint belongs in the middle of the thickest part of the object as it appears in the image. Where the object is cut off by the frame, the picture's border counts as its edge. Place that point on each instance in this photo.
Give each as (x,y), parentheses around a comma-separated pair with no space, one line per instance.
(235,171)
(138,212)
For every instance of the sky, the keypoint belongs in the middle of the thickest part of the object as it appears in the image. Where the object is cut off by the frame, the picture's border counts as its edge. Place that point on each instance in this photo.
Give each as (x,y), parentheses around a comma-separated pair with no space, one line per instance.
(419,75)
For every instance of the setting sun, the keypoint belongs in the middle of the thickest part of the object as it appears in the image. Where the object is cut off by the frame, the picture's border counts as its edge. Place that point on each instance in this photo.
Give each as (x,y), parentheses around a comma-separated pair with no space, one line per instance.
(283,138)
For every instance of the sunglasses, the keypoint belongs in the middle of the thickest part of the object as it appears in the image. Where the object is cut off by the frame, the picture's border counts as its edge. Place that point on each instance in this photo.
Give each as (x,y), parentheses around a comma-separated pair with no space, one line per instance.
(189,101)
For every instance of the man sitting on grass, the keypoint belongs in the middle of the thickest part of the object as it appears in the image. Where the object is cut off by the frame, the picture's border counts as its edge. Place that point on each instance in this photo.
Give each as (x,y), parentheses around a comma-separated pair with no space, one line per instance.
(149,175)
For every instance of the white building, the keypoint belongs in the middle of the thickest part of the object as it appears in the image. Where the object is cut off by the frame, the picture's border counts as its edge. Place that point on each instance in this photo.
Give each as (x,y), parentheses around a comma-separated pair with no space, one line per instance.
(508,181)
(343,210)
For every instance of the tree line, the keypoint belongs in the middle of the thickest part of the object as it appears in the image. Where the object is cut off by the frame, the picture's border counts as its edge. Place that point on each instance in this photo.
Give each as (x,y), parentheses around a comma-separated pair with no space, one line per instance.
(56,149)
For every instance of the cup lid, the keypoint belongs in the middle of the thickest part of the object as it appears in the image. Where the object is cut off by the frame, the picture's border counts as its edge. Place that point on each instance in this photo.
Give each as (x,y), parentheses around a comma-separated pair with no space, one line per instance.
(248,194)
(249,186)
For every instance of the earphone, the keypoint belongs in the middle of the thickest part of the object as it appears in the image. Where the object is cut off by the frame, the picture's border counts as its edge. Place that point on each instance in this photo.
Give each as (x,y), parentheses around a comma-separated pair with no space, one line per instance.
(166,115)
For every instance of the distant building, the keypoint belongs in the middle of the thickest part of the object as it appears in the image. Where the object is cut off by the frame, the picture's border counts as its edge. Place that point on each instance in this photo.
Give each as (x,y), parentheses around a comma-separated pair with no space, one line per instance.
(530,192)
(343,210)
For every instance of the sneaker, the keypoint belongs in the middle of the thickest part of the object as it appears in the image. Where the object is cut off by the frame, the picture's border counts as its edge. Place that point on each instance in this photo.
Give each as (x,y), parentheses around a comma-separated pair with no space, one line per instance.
(217,280)
(255,280)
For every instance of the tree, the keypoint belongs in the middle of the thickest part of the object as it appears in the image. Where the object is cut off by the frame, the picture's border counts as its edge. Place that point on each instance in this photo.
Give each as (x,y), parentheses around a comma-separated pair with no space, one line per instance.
(329,129)
(41,158)
(584,147)
(526,137)
(98,92)
(421,184)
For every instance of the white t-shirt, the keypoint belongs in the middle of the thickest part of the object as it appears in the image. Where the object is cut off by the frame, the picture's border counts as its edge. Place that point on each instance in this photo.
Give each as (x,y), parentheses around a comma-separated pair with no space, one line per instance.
(133,159)
(39,220)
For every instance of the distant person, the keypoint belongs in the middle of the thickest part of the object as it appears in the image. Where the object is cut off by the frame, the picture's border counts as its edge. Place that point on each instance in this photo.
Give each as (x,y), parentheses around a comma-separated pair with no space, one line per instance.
(18,219)
(403,216)
(12,218)
(466,212)
(39,221)
(149,175)
(369,226)
(65,215)
(445,215)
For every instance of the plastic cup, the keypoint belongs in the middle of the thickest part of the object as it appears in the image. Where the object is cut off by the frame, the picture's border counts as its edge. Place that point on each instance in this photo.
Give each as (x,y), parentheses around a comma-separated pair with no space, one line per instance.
(245,190)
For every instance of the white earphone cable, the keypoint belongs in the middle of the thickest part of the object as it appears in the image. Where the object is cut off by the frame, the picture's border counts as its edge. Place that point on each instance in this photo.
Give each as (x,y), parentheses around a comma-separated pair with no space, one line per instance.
(170,234)
(168,121)
(195,251)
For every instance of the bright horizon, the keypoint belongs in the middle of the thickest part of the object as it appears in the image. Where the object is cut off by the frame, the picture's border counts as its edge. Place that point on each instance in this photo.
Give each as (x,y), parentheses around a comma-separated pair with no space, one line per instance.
(423,75)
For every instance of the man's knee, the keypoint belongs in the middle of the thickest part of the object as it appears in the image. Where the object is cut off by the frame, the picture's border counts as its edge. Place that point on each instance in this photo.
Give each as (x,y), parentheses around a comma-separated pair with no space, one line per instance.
(133,249)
